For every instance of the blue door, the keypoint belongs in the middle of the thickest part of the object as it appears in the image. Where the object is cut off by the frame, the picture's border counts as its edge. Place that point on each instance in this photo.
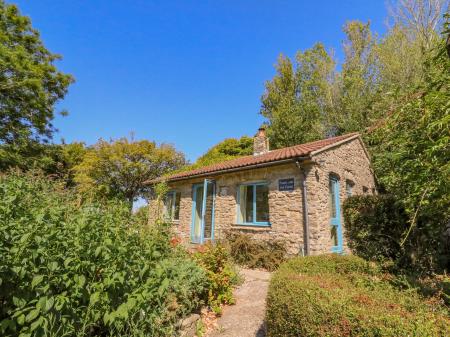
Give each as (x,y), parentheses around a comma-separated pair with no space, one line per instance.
(335,216)
(202,227)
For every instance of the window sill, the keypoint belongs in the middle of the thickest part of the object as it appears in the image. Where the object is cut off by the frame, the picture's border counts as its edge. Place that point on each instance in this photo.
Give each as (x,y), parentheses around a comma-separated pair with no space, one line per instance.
(252,227)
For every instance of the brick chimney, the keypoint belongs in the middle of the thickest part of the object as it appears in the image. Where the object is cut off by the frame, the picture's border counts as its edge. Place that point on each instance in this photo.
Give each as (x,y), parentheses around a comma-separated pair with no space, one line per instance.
(260,142)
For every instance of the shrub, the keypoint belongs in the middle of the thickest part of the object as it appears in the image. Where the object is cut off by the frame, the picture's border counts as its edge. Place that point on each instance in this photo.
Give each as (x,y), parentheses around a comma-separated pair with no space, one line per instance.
(374,226)
(256,254)
(222,277)
(86,269)
(346,296)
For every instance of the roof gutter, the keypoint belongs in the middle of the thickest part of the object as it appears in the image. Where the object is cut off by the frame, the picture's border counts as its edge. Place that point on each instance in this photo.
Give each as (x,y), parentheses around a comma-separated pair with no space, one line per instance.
(235,169)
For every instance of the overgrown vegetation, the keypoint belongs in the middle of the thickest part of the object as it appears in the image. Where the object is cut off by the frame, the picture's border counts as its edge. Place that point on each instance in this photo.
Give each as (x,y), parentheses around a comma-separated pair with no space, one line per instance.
(410,150)
(347,296)
(256,253)
(86,269)
(394,89)
(375,226)
(222,276)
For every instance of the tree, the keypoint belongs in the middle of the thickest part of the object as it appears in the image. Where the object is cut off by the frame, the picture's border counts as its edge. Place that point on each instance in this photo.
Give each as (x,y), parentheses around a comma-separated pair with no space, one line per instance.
(30,84)
(422,18)
(411,152)
(56,160)
(119,168)
(227,149)
(358,79)
(299,98)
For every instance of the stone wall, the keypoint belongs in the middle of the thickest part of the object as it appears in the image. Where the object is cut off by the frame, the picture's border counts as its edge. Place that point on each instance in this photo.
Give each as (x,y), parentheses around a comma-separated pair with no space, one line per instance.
(347,161)
(285,208)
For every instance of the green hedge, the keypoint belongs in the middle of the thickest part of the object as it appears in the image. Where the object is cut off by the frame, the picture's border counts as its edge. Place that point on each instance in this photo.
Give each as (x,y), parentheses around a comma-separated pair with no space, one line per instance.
(84,269)
(374,226)
(346,296)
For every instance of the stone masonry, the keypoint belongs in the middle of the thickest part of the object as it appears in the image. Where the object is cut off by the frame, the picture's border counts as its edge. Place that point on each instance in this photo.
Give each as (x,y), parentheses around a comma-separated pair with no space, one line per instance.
(347,161)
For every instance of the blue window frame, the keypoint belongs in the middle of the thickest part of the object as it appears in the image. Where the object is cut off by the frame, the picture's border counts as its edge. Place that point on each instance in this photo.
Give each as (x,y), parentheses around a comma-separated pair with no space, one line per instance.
(203,200)
(335,216)
(253,204)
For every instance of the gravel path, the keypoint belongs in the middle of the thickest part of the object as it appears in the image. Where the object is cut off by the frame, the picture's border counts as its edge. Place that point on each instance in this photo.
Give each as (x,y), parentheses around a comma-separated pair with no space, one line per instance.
(246,317)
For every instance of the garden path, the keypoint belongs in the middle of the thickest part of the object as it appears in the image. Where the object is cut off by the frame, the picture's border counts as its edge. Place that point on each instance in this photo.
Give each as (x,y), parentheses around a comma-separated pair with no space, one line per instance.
(246,317)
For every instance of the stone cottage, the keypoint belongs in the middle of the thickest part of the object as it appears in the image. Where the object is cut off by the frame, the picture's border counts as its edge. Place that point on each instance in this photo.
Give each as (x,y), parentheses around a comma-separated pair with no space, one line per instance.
(292,194)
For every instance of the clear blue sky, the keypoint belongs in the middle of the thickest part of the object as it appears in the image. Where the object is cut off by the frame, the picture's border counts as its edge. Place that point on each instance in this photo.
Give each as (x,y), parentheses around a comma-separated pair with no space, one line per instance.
(189,73)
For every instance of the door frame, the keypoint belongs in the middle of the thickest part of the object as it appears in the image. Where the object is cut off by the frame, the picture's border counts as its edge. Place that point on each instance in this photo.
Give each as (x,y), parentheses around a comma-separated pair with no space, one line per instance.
(195,188)
(336,221)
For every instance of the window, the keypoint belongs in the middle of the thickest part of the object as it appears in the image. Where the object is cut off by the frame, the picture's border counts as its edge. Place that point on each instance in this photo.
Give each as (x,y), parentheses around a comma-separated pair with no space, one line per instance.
(333,195)
(253,204)
(335,215)
(349,187)
(172,205)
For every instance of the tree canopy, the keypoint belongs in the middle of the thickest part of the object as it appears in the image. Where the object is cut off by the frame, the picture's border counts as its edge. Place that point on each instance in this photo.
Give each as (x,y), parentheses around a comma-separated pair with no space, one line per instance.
(56,160)
(119,168)
(30,83)
(313,96)
(300,96)
(411,151)
(227,149)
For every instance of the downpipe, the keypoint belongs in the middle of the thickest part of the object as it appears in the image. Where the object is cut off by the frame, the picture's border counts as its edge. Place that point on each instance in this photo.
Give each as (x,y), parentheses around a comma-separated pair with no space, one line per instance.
(304,250)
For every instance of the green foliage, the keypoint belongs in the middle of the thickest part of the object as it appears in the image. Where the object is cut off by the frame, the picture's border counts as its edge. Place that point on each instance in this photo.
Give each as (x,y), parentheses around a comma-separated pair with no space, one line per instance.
(120,168)
(395,90)
(299,97)
(359,81)
(222,277)
(227,149)
(56,160)
(140,216)
(410,150)
(71,269)
(255,253)
(375,226)
(311,98)
(346,296)
(30,84)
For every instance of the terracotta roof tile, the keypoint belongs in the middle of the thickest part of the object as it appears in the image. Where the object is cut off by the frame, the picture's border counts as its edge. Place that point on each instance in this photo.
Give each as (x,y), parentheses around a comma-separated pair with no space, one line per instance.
(295,151)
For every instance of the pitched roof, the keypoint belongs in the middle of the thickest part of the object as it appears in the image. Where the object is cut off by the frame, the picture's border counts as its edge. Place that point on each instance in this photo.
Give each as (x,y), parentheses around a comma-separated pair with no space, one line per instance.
(292,152)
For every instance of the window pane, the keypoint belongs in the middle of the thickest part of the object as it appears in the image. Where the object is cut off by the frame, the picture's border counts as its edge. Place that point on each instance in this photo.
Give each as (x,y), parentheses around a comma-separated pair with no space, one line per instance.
(209,204)
(334,237)
(198,213)
(349,188)
(333,198)
(248,203)
(176,212)
(262,203)
(245,203)
(168,204)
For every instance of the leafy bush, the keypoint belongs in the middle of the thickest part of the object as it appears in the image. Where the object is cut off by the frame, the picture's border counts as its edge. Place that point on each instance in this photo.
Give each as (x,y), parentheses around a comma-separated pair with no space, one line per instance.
(375,226)
(254,253)
(222,277)
(71,269)
(335,295)
(410,151)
